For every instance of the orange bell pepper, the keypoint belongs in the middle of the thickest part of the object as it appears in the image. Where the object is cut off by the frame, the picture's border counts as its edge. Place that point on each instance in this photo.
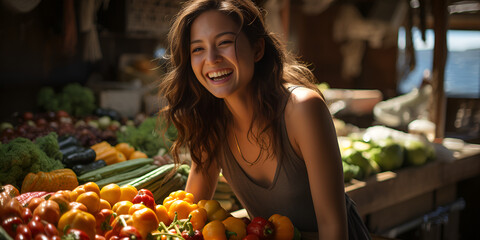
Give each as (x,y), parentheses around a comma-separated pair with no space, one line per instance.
(214,210)
(145,221)
(237,226)
(77,219)
(284,229)
(214,230)
(199,218)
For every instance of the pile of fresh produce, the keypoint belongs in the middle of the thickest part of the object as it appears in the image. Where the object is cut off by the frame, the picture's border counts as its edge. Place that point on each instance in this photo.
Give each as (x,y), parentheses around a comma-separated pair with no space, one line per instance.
(22,156)
(111,212)
(381,149)
(140,173)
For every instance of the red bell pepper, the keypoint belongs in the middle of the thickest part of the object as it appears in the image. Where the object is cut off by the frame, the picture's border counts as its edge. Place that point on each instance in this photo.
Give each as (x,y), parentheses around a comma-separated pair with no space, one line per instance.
(76,234)
(145,197)
(104,219)
(251,237)
(130,232)
(261,227)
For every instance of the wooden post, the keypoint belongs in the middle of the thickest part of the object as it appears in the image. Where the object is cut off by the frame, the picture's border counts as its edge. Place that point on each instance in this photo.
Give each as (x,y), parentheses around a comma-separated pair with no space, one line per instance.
(438,103)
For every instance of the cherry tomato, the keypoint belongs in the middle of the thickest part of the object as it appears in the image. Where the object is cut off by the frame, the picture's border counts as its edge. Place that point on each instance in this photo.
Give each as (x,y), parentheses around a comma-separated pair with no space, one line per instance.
(22,236)
(10,224)
(51,230)
(26,215)
(23,229)
(36,218)
(41,236)
(36,227)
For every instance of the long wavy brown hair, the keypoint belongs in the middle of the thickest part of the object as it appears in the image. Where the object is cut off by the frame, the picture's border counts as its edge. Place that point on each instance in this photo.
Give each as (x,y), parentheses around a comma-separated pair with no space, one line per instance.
(202,119)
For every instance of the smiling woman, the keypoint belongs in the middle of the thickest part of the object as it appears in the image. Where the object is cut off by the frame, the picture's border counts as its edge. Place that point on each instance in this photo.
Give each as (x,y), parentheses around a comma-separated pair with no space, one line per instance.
(246,108)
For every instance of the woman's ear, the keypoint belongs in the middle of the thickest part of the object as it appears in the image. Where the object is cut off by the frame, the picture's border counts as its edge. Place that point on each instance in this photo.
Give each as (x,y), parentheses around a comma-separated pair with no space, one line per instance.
(259,48)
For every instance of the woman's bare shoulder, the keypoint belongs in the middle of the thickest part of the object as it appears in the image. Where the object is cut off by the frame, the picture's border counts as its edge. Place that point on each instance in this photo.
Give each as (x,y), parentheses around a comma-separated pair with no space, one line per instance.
(304,102)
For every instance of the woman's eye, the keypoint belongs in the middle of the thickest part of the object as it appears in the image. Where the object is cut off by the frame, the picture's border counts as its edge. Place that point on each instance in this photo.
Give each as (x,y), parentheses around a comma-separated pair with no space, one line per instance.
(225,42)
(194,50)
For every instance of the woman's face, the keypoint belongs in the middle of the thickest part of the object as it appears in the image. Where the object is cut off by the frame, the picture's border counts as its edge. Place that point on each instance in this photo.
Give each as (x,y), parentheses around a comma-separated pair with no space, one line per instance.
(221,58)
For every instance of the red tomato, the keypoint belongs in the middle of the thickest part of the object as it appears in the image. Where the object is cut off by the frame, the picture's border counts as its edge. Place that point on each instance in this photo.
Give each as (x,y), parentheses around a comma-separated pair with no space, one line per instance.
(23,230)
(26,215)
(51,230)
(41,236)
(10,224)
(36,227)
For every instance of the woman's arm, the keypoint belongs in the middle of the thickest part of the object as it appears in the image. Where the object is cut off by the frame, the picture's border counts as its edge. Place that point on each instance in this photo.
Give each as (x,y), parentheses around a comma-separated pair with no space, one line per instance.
(202,184)
(316,142)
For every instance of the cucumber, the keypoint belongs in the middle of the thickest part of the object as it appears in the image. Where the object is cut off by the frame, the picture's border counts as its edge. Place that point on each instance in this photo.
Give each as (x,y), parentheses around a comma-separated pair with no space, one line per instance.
(161,192)
(126,175)
(152,176)
(110,170)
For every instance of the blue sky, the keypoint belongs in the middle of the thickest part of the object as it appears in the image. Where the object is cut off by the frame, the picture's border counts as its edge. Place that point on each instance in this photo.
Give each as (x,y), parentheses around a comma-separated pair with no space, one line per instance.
(457,40)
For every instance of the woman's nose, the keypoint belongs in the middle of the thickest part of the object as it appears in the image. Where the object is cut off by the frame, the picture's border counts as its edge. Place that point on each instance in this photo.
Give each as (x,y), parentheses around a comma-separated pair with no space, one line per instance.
(213,56)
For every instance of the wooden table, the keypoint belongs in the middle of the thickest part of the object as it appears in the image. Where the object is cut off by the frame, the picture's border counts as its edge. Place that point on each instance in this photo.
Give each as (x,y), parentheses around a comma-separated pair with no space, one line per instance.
(389,199)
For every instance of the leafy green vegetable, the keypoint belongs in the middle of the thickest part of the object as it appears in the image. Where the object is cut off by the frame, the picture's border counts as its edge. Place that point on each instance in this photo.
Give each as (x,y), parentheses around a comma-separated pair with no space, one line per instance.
(74,99)
(21,156)
(350,171)
(77,100)
(49,144)
(146,138)
(47,99)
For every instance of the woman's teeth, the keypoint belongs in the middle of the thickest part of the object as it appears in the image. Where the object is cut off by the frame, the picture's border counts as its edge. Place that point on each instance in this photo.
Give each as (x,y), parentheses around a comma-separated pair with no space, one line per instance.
(220,75)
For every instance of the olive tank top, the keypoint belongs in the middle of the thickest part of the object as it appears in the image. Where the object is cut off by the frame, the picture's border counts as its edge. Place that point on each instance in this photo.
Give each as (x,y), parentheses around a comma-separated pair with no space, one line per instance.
(288,195)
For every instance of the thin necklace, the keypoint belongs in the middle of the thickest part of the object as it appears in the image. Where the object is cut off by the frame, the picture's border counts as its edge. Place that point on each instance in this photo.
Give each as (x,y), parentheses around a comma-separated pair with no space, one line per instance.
(241,154)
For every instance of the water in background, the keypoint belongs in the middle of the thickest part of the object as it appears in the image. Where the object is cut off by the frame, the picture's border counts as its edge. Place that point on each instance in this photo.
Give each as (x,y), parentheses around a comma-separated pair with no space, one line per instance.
(462,72)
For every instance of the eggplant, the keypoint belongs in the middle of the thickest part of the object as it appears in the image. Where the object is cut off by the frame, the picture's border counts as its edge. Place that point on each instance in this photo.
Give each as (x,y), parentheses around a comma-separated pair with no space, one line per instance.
(80,169)
(67,142)
(86,156)
(71,149)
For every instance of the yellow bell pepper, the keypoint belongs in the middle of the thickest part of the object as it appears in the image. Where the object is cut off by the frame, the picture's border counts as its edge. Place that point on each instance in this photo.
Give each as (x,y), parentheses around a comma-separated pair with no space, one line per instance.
(214,230)
(178,195)
(78,219)
(179,203)
(214,210)
(162,214)
(284,229)
(237,226)
(181,209)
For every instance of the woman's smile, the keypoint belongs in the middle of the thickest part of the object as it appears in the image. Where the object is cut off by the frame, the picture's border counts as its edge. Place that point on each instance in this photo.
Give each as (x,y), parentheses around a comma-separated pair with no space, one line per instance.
(221,56)
(220,76)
